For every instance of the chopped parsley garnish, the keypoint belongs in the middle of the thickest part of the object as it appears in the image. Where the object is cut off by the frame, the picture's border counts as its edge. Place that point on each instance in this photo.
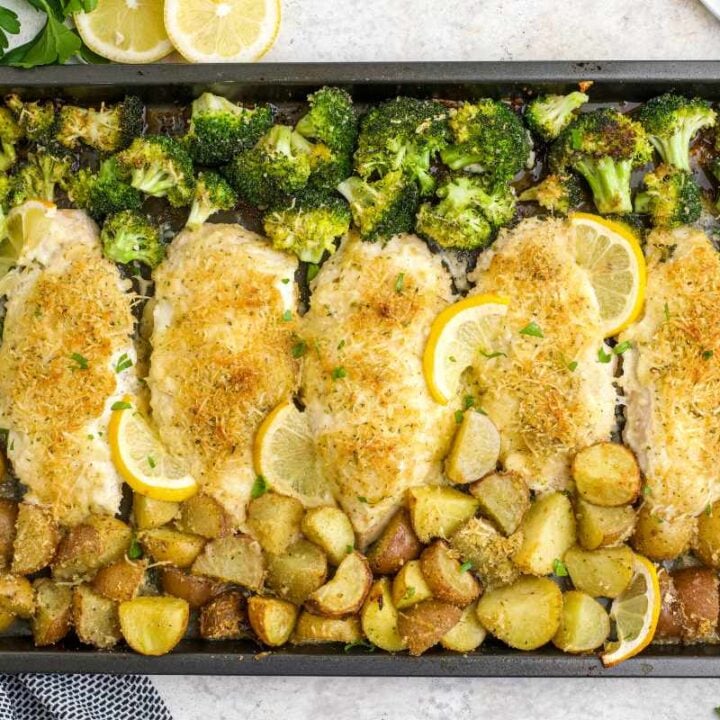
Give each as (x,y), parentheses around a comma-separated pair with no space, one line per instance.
(707,354)
(349,549)
(312,271)
(134,551)
(666,310)
(400,283)
(299,349)
(81,362)
(559,568)
(491,355)
(362,499)
(90,436)
(363,644)
(123,363)
(572,366)
(468,402)
(339,372)
(151,462)
(622,347)
(459,414)
(341,344)
(452,358)
(287,316)
(285,281)
(121,405)
(533,329)
(708,509)
(647,490)
(409,592)
(260,487)
(604,357)
(467,565)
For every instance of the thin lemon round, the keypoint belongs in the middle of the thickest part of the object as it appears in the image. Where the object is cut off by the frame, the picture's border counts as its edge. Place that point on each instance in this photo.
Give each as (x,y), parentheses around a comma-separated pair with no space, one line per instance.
(142,461)
(457,334)
(284,454)
(222,31)
(635,612)
(26,225)
(475,450)
(614,260)
(125,31)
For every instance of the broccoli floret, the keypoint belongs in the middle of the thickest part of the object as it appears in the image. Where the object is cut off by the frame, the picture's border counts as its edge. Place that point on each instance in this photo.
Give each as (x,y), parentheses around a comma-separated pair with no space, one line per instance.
(37,119)
(10,134)
(331,119)
(308,224)
(671,121)
(219,129)
(382,208)
(402,134)
(548,115)
(556,193)
(129,236)
(104,192)
(159,166)
(490,139)
(671,197)
(38,178)
(603,146)
(212,194)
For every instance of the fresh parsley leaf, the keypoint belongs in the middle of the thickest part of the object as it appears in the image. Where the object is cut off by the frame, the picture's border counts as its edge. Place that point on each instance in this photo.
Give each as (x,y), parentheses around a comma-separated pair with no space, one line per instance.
(312,271)
(533,329)
(81,362)
(603,356)
(622,347)
(123,363)
(572,366)
(468,402)
(120,405)
(74,6)
(467,565)
(400,283)
(285,281)
(362,499)
(559,568)
(459,416)
(717,710)
(9,23)
(91,58)
(491,355)
(134,551)
(349,549)
(339,372)
(260,487)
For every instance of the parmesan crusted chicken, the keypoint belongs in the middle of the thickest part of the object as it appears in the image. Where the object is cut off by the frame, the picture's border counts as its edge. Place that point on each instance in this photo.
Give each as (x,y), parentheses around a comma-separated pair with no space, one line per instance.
(377,430)
(224,323)
(671,375)
(542,385)
(67,355)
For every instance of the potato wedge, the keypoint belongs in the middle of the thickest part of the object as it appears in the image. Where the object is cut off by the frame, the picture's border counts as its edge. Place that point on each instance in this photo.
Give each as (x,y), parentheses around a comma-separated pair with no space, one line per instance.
(409,586)
(153,625)
(224,617)
(345,593)
(661,539)
(271,619)
(149,513)
(600,573)
(379,618)
(95,618)
(274,521)
(203,515)
(330,529)
(438,511)
(446,577)
(584,624)
(706,545)
(36,539)
(120,580)
(697,591)
(52,619)
(669,627)
(298,572)
(548,530)
(397,545)
(316,630)
(16,595)
(164,544)
(8,516)
(504,499)
(606,474)
(599,526)
(524,615)
(196,590)
(6,620)
(237,559)
(425,624)
(467,635)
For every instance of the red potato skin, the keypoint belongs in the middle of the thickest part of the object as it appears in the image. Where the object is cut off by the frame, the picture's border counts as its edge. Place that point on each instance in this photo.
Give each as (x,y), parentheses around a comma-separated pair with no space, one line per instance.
(397,545)
(697,590)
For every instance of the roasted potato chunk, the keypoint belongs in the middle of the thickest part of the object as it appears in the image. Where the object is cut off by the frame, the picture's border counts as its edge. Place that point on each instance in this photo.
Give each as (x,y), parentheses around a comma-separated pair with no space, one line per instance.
(274,521)
(379,618)
(467,635)
(524,615)
(584,624)
(330,528)
(271,619)
(224,617)
(706,545)
(606,474)
(600,573)
(298,572)
(153,625)
(548,530)
(409,586)
(36,539)
(316,630)
(164,544)
(149,513)
(697,591)
(669,627)
(120,580)
(425,624)
(52,619)
(438,511)
(196,590)
(95,618)
(6,620)
(17,596)
(8,516)
(397,545)
(504,498)
(599,526)
(661,539)
(237,559)
(447,579)
(204,516)
(345,593)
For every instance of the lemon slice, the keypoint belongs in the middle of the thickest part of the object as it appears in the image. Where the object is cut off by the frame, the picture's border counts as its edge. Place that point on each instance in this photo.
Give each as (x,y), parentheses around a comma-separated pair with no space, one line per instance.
(614,260)
(635,612)
(125,31)
(25,225)
(141,459)
(222,30)
(457,334)
(475,450)
(284,454)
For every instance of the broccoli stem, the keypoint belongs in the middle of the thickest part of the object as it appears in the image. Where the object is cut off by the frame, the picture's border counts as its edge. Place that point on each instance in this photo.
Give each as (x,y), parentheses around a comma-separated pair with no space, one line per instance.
(609,181)
(675,150)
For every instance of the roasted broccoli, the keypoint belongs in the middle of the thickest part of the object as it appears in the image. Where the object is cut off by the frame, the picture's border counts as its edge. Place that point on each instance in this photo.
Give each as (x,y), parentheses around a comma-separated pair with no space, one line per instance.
(38,178)
(548,115)
(556,193)
(604,147)
(671,121)
(382,208)
(37,119)
(212,194)
(467,213)
(490,139)
(10,134)
(402,134)
(307,224)
(159,166)
(219,129)
(331,120)
(671,197)
(129,236)
(104,192)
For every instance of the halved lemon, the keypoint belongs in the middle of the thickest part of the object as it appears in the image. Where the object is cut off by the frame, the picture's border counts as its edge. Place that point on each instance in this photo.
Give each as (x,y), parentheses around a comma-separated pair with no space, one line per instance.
(635,612)
(614,260)
(142,460)
(457,335)
(125,31)
(475,450)
(26,224)
(222,30)
(284,454)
